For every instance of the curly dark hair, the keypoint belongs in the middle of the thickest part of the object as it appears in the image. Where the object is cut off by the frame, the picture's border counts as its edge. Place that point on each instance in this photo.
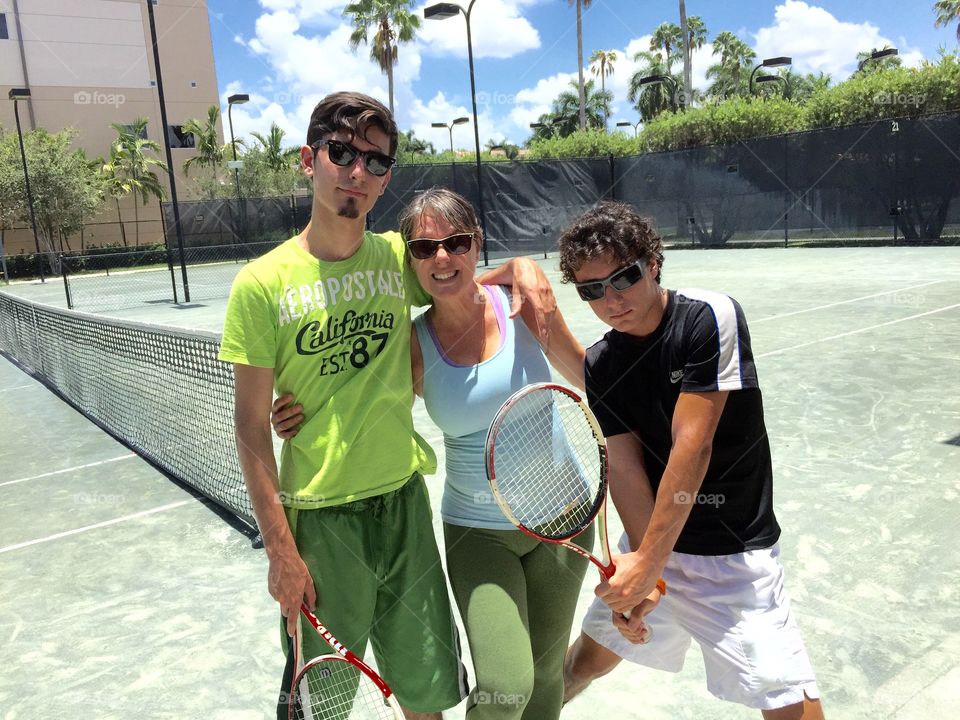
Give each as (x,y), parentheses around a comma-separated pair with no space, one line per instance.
(353,112)
(612,229)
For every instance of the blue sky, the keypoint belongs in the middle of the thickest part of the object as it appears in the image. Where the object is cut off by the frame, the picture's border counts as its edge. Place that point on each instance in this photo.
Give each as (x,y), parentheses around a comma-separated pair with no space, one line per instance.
(287,54)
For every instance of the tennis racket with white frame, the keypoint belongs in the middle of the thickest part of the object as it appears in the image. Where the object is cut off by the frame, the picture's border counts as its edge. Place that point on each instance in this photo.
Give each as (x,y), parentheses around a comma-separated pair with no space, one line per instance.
(338,685)
(547,467)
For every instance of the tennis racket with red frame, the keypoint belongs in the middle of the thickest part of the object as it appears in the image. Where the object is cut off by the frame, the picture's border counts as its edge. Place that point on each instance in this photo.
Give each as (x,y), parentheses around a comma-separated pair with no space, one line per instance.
(547,467)
(339,685)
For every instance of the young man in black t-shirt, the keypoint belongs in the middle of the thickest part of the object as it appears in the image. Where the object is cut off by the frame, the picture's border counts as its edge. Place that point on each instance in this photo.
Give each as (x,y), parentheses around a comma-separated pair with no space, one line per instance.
(675,389)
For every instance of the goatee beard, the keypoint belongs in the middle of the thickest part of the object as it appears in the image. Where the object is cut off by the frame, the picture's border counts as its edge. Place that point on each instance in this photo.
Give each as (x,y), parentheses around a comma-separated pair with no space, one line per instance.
(349,210)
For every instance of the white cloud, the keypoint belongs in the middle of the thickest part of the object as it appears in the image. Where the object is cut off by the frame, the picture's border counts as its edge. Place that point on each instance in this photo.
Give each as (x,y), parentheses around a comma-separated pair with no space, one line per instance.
(497,28)
(819,42)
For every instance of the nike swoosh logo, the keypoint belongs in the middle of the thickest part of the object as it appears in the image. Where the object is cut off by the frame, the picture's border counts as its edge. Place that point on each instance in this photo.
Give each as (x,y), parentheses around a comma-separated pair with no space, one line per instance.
(676,376)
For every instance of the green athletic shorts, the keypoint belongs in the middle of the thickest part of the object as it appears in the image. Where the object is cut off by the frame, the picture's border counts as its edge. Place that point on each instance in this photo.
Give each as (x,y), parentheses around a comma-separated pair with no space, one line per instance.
(378,576)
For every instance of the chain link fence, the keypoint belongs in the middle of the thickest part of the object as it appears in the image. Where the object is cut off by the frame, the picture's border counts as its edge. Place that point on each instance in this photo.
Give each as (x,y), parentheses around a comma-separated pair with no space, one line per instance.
(883,182)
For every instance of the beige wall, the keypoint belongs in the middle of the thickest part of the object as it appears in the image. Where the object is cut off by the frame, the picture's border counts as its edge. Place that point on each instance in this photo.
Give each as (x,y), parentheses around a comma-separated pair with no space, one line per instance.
(90,64)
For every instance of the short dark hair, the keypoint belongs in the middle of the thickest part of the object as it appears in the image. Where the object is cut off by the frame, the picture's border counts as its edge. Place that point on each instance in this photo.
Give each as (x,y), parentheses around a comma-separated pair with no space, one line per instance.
(613,229)
(351,111)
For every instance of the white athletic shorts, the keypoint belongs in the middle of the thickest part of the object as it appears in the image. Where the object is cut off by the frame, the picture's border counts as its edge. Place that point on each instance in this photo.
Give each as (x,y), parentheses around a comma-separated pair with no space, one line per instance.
(736,608)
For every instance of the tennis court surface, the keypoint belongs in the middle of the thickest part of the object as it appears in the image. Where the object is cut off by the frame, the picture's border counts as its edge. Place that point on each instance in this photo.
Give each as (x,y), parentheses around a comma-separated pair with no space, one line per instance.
(125,593)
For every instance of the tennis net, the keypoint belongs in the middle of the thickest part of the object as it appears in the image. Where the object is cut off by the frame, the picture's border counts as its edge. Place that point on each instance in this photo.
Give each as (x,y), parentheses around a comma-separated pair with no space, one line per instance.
(159,390)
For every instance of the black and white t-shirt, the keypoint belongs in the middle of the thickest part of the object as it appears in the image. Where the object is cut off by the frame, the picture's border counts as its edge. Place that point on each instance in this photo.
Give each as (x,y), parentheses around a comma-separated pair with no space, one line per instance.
(701,345)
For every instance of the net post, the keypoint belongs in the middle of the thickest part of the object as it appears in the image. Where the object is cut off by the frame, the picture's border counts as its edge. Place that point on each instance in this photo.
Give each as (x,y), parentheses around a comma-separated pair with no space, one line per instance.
(169,254)
(66,282)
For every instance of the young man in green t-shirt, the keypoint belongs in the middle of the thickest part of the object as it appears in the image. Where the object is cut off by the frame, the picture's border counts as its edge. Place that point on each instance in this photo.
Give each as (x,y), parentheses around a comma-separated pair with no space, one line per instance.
(326,316)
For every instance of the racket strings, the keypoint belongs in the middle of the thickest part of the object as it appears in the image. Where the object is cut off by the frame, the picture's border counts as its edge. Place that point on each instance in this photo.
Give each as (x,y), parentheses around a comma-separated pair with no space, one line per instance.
(548,464)
(333,689)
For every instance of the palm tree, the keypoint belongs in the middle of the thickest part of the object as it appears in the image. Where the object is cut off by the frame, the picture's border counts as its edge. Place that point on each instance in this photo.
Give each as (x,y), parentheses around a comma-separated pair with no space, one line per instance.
(135,166)
(206,141)
(667,39)
(948,11)
(601,65)
(696,37)
(650,100)
(581,5)
(115,185)
(735,56)
(563,118)
(275,156)
(391,23)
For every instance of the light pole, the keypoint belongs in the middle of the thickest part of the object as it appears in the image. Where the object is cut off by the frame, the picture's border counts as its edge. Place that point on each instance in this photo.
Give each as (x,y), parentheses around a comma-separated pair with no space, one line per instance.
(635,126)
(16,94)
(552,125)
(769,63)
(877,55)
(238,99)
(442,11)
(660,79)
(769,79)
(457,121)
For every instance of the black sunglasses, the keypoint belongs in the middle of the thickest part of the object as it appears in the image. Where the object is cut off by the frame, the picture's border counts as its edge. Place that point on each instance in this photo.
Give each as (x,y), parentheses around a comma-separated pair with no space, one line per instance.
(621,280)
(343,154)
(426,248)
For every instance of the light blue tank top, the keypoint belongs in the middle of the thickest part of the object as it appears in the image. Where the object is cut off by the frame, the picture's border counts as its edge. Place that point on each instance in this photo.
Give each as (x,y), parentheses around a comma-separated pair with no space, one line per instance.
(462,400)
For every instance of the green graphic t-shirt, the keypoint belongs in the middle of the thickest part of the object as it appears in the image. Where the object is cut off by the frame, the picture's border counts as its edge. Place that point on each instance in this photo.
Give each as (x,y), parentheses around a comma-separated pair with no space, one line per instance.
(337,335)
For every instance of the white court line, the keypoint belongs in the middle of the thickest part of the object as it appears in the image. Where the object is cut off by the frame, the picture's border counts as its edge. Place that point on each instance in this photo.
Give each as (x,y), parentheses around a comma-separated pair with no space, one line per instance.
(845,302)
(87,528)
(16,387)
(59,472)
(854,332)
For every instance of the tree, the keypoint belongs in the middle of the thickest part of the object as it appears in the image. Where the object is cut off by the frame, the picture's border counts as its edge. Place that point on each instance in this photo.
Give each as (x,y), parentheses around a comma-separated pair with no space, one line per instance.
(666,39)
(206,141)
(729,74)
(601,65)
(948,11)
(391,23)
(64,185)
(696,36)
(115,185)
(582,104)
(653,99)
(137,166)
(275,156)
(563,117)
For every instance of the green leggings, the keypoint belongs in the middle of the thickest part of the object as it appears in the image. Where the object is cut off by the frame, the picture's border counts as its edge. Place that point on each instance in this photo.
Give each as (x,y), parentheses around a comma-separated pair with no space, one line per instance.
(517,597)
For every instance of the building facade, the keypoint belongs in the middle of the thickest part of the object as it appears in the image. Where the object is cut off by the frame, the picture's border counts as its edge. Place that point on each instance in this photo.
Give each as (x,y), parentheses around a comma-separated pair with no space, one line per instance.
(89,64)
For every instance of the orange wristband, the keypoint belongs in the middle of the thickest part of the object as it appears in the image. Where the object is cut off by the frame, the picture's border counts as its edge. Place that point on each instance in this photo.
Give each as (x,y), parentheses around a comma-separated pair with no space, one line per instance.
(661,586)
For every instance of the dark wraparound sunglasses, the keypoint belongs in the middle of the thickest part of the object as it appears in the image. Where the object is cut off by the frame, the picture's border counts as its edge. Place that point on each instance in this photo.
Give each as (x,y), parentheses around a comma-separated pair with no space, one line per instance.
(621,280)
(426,248)
(343,154)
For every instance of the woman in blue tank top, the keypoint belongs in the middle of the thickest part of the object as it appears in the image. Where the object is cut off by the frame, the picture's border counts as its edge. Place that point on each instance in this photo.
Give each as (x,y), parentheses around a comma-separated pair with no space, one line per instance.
(516,595)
